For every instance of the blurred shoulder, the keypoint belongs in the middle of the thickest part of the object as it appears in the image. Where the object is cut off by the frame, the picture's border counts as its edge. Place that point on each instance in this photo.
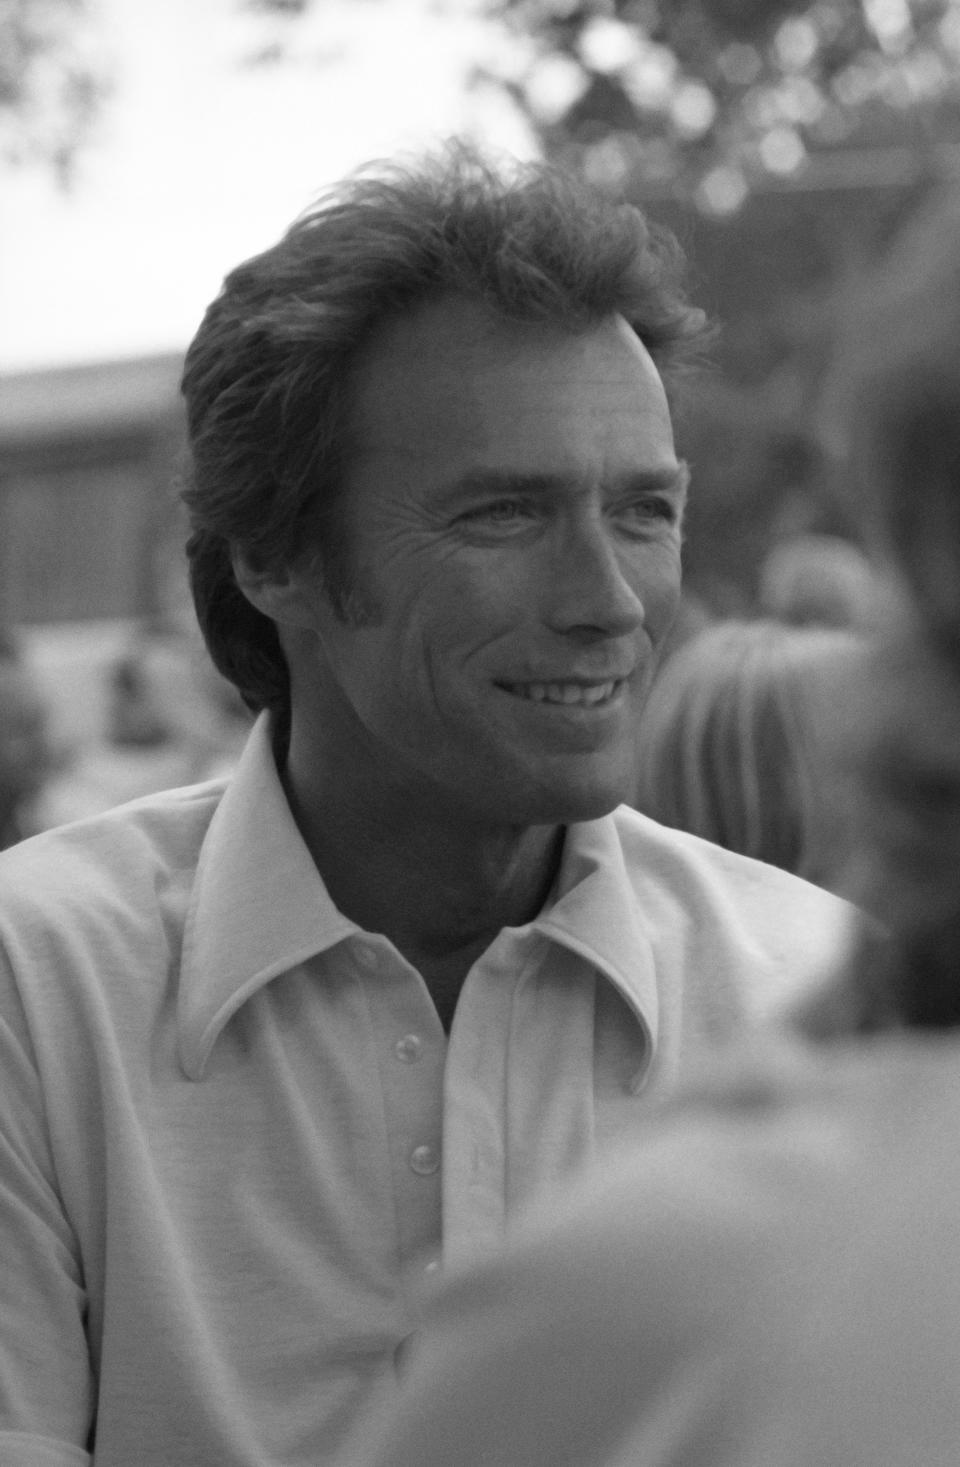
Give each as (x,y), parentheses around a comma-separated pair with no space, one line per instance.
(764,1135)
(772,1149)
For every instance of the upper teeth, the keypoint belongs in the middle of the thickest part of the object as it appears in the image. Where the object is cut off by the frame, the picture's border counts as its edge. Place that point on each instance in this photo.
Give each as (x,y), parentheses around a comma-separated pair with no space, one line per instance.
(564,692)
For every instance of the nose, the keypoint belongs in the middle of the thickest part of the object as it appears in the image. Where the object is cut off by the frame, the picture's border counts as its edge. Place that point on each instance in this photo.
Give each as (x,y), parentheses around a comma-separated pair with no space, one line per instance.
(594,584)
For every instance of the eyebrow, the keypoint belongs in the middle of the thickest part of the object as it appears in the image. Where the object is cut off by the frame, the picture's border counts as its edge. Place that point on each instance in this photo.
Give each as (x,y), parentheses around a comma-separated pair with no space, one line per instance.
(511,481)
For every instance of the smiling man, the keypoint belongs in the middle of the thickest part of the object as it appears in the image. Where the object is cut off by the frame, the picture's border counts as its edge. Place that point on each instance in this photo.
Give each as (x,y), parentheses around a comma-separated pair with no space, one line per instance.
(276,1046)
(513,512)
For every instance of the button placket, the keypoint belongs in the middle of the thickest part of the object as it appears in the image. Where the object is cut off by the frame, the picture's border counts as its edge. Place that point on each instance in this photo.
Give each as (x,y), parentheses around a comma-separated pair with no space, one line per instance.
(411,1050)
(365,956)
(408,1049)
(424,1160)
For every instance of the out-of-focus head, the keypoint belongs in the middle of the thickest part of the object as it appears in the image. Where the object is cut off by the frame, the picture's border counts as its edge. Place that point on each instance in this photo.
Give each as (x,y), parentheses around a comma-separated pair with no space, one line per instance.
(731,745)
(899,386)
(268,376)
(891,412)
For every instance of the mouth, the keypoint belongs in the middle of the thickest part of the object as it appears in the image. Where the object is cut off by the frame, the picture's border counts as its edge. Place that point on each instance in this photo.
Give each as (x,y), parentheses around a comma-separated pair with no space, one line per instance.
(566,694)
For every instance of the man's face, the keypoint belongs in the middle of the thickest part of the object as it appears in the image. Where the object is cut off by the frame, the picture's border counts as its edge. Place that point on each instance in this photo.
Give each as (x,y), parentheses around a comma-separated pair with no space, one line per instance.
(513,512)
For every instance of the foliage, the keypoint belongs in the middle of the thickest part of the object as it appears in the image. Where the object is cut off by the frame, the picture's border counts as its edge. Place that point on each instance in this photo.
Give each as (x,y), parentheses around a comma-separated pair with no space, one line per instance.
(51,81)
(747,126)
(699,99)
(705,99)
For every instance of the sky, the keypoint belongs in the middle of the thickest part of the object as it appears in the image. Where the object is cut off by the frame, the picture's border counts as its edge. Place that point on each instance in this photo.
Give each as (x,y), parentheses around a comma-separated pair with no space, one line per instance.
(199,161)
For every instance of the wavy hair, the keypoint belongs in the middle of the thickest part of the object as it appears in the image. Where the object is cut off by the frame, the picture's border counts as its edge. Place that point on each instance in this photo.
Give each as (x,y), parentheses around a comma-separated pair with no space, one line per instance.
(267,376)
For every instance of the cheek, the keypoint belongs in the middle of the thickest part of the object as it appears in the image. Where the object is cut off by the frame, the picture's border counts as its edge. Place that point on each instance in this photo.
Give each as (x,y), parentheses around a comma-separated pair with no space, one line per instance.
(407,672)
(658,582)
(465,611)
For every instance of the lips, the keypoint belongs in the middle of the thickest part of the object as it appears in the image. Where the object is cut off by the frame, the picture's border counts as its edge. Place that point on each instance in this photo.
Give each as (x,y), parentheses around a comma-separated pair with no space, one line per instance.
(566,694)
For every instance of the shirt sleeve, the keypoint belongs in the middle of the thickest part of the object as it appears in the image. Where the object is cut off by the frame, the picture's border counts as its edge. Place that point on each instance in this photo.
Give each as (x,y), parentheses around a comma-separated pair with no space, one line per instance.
(46,1381)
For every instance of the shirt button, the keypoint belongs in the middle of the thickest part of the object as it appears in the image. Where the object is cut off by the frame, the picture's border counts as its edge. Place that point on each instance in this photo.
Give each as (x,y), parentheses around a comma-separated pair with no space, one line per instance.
(409,1048)
(424,1160)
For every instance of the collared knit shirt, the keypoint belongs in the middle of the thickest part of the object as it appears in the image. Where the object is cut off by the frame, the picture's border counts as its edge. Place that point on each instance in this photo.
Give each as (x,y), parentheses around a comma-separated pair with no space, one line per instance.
(234,1135)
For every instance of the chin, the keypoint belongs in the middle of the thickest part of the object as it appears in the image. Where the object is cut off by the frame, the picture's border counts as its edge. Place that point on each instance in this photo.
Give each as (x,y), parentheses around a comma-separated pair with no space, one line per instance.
(591,809)
(592,798)
(570,806)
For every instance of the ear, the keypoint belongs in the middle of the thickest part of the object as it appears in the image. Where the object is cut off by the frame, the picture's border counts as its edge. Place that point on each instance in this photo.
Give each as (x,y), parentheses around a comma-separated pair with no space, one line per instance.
(288,596)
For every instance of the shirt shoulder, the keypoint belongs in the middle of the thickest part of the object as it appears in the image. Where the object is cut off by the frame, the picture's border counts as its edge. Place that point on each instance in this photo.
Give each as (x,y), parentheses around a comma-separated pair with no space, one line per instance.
(656,854)
(103,894)
(737,918)
(155,832)
(660,850)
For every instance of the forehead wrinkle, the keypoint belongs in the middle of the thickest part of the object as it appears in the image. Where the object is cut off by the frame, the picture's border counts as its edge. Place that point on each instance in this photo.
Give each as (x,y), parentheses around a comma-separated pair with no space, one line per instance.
(486,480)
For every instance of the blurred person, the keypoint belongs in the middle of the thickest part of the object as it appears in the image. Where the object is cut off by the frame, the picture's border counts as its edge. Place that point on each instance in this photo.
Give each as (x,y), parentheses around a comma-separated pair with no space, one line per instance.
(169,720)
(26,757)
(166,697)
(733,744)
(273,1042)
(134,717)
(772,1277)
(817,580)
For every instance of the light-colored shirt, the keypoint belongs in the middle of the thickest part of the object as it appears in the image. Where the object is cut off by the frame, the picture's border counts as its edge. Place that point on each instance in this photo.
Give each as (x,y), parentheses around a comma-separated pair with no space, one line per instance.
(771,1278)
(234,1135)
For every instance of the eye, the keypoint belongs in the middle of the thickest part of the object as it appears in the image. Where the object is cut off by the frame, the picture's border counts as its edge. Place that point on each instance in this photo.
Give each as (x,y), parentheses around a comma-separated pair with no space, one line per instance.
(498,516)
(498,510)
(651,511)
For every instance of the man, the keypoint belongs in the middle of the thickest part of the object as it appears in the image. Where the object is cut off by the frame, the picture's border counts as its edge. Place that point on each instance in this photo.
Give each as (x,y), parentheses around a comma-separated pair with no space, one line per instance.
(771,1276)
(276,1046)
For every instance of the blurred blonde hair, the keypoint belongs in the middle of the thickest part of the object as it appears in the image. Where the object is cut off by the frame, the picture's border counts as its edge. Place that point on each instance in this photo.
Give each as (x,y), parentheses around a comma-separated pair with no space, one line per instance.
(816,580)
(732,746)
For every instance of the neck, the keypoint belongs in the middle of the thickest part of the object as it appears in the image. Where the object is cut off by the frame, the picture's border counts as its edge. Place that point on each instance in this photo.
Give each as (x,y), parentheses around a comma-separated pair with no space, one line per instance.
(434,883)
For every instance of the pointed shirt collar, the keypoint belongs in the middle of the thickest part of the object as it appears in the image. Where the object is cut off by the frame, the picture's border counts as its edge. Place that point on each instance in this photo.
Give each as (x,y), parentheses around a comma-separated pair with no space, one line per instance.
(259,907)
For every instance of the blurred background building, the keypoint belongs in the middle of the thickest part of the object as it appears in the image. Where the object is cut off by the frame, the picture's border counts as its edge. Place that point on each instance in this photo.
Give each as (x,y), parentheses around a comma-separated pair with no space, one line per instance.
(146,146)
